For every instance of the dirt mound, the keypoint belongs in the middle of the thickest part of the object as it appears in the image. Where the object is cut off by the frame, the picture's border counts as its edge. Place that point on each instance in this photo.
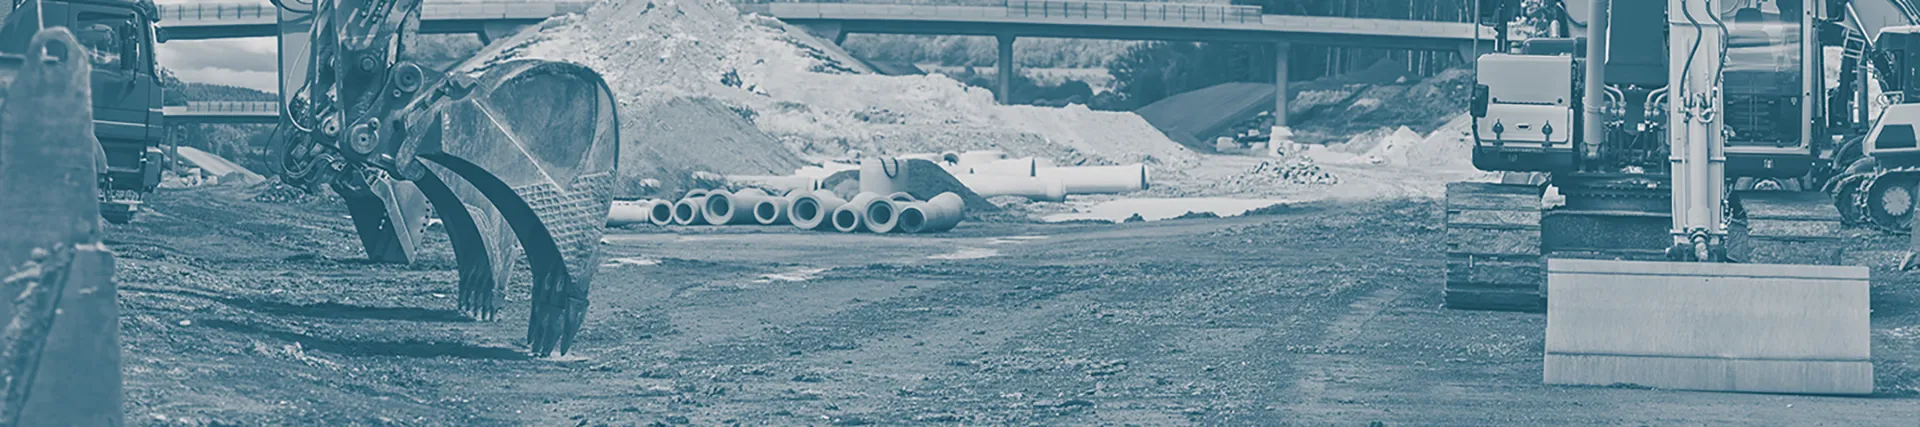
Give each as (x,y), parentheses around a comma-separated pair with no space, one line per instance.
(682,136)
(813,98)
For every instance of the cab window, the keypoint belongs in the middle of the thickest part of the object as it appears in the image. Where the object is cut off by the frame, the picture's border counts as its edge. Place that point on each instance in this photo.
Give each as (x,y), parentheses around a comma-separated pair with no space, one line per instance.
(113,40)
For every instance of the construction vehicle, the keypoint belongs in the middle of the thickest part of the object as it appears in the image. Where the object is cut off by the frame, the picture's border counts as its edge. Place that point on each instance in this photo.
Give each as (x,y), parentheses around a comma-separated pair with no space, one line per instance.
(119,38)
(1882,165)
(59,348)
(1607,150)
(1644,124)
(497,149)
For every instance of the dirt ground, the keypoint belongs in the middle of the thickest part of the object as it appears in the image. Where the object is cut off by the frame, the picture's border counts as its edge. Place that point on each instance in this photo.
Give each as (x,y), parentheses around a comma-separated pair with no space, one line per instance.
(244,313)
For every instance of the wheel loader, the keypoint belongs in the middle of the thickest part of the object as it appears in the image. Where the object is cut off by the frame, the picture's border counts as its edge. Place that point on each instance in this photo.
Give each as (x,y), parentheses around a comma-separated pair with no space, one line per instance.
(1644,116)
(1881,180)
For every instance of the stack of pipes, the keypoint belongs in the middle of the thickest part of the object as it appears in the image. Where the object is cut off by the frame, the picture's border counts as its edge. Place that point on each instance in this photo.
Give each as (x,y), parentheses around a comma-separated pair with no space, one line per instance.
(807,210)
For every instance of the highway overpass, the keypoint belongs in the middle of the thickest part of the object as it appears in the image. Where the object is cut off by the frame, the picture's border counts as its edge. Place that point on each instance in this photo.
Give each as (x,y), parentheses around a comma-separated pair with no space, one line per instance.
(1123,20)
(223,112)
(489,19)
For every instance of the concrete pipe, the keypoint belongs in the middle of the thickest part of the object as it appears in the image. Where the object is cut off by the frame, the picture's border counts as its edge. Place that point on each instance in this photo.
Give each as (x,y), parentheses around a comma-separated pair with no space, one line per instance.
(1099,179)
(629,212)
(697,192)
(1044,189)
(732,208)
(688,211)
(972,158)
(936,215)
(1024,166)
(883,175)
(772,211)
(852,217)
(661,213)
(824,170)
(810,211)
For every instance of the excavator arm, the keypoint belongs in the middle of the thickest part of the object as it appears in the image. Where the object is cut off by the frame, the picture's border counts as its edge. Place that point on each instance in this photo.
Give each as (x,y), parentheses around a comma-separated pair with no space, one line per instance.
(521,151)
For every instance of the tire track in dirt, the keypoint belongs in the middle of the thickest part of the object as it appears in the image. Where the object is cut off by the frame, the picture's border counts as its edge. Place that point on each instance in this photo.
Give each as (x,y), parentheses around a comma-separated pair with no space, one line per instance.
(1330,363)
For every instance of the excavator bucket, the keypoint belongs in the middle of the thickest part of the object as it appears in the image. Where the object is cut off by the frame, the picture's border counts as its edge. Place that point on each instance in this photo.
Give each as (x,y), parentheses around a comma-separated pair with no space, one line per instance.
(539,141)
(1709,326)
(59,351)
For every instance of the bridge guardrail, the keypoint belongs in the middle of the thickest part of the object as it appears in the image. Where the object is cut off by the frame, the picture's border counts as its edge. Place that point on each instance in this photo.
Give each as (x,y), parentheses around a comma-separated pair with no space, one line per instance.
(433,9)
(262,107)
(1123,10)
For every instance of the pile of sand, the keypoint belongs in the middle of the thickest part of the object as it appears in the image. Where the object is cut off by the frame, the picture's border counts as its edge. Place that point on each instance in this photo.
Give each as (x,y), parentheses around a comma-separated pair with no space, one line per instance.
(1448,148)
(805,95)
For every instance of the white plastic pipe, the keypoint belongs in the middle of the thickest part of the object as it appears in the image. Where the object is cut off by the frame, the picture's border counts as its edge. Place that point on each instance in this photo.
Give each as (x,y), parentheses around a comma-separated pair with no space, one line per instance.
(1099,179)
(973,158)
(772,211)
(732,208)
(688,211)
(1046,189)
(810,211)
(629,212)
(935,215)
(852,217)
(1024,166)
(661,213)
(824,170)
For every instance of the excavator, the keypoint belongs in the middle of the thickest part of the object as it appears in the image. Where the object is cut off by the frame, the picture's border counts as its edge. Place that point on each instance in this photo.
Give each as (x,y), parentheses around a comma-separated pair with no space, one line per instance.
(512,154)
(1644,116)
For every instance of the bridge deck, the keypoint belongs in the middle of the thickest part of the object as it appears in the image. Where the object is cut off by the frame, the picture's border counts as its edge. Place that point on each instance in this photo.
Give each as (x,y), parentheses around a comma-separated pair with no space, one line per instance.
(1125,20)
(200,21)
(232,112)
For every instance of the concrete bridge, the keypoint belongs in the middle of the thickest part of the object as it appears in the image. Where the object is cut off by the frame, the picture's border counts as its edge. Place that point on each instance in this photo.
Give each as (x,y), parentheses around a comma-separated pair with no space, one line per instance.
(223,112)
(1121,20)
(489,19)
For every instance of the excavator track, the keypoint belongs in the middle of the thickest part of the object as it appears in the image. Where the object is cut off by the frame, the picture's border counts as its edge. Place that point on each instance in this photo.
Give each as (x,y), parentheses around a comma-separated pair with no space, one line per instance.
(1494,259)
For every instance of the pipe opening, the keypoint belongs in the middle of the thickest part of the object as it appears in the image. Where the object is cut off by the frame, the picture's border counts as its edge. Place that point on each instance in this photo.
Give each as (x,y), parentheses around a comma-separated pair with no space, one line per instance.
(721,206)
(845,220)
(661,212)
(683,212)
(806,209)
(912,219)
(765,211)
(880,213)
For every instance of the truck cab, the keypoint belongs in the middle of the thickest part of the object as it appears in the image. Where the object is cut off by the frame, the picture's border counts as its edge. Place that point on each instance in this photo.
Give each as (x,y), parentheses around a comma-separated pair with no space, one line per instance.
(127,118)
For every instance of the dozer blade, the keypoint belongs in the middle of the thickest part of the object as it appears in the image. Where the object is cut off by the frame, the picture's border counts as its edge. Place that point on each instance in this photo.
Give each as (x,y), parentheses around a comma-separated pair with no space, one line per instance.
(59,351)
(540,140)
(1709,326)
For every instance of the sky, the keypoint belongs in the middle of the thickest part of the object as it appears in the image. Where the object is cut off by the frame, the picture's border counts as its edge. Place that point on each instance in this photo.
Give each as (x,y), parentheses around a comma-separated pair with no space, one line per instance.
(249,63)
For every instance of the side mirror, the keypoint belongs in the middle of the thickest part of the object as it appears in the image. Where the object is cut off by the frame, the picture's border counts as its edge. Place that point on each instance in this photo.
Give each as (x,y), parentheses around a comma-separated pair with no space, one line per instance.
(1481,95)
(159,35)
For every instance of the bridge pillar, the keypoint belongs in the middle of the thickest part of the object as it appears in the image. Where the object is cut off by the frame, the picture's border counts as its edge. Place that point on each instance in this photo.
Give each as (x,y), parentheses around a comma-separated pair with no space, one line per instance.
(1004,77)
(1282,135)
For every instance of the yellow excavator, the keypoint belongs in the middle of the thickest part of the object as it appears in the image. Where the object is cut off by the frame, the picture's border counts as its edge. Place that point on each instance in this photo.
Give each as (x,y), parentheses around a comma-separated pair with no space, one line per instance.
(1645,116)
